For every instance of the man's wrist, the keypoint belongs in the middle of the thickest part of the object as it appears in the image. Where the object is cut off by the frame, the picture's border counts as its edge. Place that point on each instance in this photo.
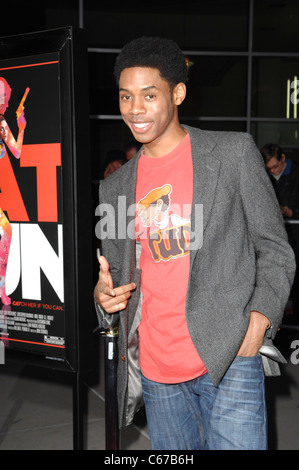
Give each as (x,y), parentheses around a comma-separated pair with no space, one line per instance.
(260,319)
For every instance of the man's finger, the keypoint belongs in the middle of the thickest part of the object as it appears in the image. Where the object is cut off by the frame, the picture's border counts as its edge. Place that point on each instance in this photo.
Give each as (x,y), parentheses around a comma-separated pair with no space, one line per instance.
(103,264)
(124,289)
(105,289)
(109,298)
(104,275)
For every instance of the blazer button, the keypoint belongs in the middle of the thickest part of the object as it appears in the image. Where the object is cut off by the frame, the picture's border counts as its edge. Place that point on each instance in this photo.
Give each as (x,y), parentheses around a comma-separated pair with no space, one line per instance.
(122,357)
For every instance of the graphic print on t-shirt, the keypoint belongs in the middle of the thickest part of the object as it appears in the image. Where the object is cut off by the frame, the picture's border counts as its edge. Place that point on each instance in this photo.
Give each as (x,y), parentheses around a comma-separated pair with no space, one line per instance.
(168,233)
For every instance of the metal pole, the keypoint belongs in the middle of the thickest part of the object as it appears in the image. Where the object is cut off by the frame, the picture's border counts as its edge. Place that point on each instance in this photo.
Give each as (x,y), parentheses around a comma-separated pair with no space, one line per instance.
(78,412)
(81,13)
(111,408)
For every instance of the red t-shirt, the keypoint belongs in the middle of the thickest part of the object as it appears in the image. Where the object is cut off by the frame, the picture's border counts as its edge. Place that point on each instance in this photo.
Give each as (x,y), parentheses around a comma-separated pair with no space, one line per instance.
(164,194)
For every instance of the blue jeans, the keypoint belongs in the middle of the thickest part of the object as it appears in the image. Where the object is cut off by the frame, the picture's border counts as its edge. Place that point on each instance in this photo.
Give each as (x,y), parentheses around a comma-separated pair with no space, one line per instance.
(196,415)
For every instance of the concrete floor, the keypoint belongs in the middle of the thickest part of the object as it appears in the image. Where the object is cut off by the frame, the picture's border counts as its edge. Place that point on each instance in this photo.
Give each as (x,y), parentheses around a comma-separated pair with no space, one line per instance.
(36,408)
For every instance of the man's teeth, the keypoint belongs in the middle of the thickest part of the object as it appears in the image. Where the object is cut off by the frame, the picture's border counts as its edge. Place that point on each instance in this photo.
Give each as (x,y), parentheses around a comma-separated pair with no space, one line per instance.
(141,125)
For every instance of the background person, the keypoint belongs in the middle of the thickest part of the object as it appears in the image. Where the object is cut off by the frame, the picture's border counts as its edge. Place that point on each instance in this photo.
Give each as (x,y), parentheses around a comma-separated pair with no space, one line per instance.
(120,157)
(284,175)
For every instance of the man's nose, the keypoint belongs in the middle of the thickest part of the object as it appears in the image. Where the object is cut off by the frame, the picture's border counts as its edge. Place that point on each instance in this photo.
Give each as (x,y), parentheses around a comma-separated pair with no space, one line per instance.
(137,106)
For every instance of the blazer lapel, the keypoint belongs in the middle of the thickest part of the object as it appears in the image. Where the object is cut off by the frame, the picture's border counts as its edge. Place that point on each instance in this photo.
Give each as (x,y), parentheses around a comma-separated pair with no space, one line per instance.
(128,183)
(206,168)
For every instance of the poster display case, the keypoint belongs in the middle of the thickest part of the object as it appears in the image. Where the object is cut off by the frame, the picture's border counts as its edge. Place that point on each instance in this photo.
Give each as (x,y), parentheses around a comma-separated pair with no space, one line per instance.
(46,304)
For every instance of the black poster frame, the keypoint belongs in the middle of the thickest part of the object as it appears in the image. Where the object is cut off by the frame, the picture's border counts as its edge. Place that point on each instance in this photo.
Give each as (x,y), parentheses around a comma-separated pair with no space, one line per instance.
(70,45)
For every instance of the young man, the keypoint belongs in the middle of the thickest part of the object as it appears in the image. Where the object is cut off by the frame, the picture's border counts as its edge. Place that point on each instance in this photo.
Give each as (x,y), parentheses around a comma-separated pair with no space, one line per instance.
(192,321)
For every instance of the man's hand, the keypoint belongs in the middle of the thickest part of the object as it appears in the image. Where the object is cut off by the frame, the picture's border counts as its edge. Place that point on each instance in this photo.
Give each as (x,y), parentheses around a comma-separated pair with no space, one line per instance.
(255,333)
(112,300)
(286,211)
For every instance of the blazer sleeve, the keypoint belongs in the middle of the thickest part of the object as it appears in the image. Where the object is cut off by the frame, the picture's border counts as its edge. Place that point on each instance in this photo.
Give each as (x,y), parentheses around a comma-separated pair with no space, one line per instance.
(275,262)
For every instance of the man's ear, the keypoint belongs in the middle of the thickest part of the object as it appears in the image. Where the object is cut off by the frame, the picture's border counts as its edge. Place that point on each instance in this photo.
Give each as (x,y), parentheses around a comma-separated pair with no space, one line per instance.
(179,93)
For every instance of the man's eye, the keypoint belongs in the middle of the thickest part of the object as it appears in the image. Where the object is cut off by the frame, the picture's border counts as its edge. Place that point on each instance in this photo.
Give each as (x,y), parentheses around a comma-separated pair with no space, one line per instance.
(125,98)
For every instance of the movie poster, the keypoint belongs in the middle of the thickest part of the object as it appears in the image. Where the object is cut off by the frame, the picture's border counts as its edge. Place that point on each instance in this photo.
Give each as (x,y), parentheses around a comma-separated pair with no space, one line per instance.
(31,220)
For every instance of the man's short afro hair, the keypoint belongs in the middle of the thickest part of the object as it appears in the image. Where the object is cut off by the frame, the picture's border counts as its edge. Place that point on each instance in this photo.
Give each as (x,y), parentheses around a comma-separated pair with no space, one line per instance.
(155,52)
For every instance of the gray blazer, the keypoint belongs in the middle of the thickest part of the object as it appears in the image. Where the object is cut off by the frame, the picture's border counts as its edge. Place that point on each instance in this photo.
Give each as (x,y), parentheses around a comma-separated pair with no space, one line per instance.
(244,262)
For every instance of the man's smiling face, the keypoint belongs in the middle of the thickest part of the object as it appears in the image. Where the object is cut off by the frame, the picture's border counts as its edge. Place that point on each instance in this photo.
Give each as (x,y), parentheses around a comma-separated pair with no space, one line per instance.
(147,104)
